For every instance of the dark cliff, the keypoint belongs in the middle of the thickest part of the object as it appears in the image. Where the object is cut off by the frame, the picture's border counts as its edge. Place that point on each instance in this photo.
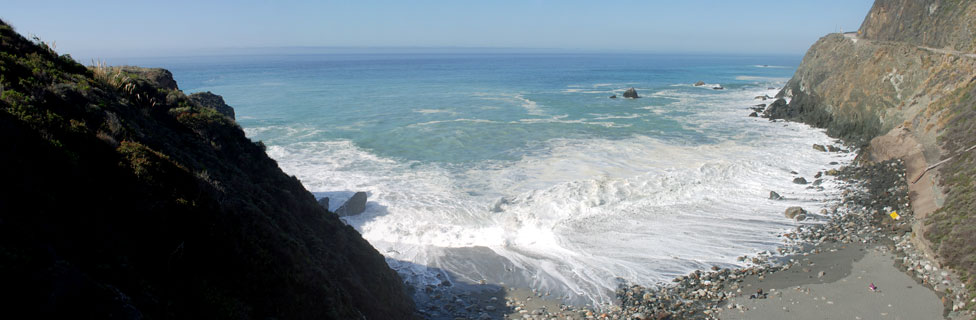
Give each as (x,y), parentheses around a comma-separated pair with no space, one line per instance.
(904,86)
(123,198)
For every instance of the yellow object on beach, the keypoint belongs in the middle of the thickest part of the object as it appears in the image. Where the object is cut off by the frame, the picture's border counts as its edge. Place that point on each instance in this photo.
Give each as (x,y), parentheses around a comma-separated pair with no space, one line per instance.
(894,215)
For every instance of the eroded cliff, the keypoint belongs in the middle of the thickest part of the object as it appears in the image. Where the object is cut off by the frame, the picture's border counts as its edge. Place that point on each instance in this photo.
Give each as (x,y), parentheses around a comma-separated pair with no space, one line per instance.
(905,86)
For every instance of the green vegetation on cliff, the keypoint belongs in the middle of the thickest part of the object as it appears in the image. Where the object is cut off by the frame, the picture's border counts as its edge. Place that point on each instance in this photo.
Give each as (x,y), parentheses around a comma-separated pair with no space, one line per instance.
(123,198)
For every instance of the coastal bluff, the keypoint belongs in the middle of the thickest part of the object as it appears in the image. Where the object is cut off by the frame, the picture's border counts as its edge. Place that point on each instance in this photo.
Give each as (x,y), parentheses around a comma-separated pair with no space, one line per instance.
(904,86)
(124,198)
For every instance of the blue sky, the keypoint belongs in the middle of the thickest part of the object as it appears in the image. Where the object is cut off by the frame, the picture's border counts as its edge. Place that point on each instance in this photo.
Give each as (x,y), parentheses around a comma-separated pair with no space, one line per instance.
(105,29)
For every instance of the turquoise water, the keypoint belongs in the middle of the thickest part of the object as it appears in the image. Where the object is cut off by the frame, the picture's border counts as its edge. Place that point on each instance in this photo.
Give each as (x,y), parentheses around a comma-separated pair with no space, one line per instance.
(462,108)
(526,161)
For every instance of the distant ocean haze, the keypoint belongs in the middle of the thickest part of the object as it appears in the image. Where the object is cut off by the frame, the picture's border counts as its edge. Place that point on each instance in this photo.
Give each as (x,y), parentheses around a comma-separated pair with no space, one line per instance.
(525,158)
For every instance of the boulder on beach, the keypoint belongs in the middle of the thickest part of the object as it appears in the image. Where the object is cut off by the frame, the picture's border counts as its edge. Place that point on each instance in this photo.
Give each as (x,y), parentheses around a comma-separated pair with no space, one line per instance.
(794,212)
(631,93)
(699,83)
(324,202)
(775,196)
(353,206)
(800,180)
(819,147)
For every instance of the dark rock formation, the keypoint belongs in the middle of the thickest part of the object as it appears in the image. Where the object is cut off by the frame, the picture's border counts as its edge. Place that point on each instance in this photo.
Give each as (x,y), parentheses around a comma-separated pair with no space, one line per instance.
(775,196)
(353,206)
(819,147)
(718,87)
(754,114)
(613,97)
(324,202)
(778,110)
(631,93)
(699,83)
(162,208)
(210,100)
(832,148)
(799,180)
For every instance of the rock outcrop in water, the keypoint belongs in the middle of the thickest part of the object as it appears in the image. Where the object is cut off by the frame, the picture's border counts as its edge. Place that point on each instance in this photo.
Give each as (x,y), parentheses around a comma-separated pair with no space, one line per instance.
(353,206)
(631,93)
(904,86)
(124,198)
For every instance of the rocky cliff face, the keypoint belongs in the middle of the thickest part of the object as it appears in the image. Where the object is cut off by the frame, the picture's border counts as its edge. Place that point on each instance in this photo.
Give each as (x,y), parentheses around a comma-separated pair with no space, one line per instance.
(123,198)
(904,87)
(942,24)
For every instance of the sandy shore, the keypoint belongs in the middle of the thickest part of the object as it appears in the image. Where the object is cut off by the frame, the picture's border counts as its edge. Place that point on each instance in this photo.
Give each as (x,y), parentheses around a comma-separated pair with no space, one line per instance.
(835,285)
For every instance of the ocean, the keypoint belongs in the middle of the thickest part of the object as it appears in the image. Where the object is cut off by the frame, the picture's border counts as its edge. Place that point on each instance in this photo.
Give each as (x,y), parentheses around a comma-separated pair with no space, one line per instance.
(519,170)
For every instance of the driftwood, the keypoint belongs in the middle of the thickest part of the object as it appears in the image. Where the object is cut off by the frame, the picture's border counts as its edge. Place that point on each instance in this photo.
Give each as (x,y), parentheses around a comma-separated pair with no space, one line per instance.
(920,175)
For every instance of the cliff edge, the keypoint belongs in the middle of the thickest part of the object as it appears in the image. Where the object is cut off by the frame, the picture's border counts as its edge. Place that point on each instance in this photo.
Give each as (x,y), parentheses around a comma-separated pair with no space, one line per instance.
(904,86)
(124,198)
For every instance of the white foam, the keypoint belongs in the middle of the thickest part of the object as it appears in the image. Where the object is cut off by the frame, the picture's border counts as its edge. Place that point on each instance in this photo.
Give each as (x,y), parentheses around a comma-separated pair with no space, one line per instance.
(530,106)
(578,213)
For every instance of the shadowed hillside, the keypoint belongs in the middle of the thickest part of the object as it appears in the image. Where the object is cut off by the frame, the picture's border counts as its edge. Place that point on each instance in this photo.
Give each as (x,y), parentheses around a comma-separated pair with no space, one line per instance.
(123,198)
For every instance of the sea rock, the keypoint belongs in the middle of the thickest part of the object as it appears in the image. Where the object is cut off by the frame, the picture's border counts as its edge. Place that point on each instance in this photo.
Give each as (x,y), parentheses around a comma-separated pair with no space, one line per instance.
(631,93)
(718,87)
(324,202)
(763,97)
(818,175)
(793,212)
(819,147)
(613,97)
(353,206)
(699,83)
(775,196)
(832,148)
(800,180)
(777,110)
(210,100)
(754,114)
